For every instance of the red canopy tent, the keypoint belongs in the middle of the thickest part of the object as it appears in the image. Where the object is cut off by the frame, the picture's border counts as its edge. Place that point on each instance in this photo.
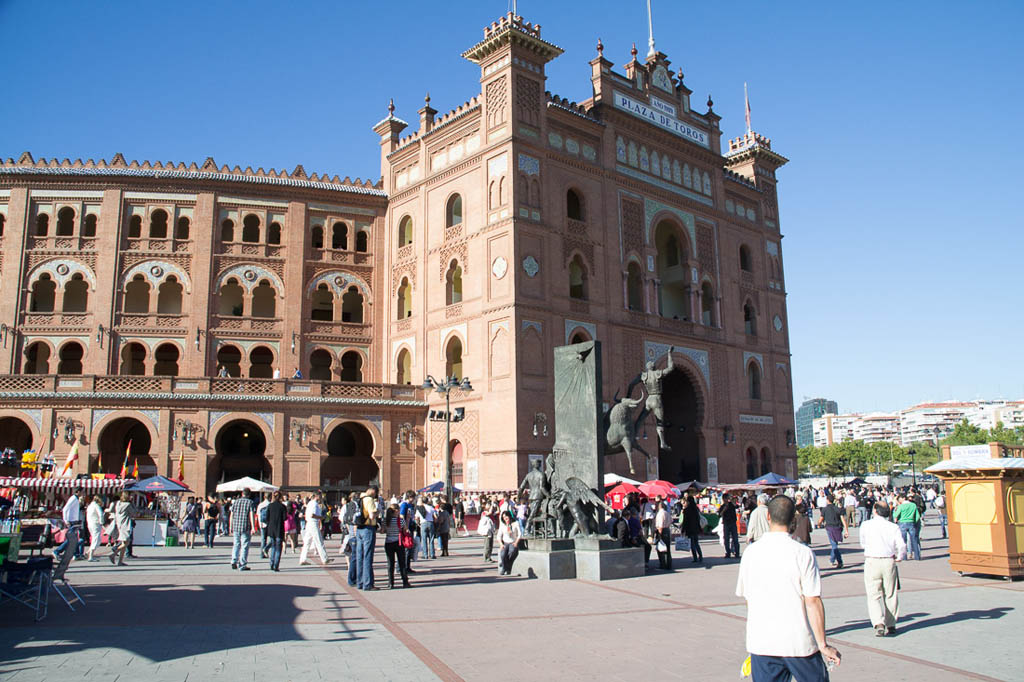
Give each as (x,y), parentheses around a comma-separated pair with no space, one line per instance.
(616,497)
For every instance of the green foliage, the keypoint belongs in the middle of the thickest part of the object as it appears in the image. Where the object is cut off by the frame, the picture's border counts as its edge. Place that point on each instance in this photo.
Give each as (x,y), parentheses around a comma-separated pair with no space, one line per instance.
(966,433)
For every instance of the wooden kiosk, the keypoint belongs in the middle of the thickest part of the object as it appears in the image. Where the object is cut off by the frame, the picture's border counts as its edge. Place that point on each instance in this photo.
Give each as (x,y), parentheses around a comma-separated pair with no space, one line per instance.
(985,505)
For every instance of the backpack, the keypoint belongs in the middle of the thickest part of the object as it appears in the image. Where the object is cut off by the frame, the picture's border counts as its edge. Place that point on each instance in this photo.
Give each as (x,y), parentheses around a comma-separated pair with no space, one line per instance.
(263,514)
(920,504)
(348,516)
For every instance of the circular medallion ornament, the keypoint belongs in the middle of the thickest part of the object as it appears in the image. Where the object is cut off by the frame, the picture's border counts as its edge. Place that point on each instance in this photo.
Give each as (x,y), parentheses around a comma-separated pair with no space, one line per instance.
(339,280)
(499,267)
(777,321)
(249,275)
(156,271)
(530,266)
(63,269)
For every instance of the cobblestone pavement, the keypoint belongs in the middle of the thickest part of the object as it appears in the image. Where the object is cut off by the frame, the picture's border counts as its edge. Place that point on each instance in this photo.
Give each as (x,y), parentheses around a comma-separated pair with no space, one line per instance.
(176,614)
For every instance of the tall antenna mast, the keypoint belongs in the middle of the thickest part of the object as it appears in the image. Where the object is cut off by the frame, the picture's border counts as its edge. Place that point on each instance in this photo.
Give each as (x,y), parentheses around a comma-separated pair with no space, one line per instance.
(650,32)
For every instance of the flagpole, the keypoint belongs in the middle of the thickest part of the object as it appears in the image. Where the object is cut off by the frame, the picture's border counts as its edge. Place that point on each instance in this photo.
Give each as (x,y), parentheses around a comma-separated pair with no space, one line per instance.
(650,31)
(746,102)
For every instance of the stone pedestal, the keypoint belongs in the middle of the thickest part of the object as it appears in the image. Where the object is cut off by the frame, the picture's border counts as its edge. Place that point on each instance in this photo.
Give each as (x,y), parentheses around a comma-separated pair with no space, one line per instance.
(547,559)
(606,559)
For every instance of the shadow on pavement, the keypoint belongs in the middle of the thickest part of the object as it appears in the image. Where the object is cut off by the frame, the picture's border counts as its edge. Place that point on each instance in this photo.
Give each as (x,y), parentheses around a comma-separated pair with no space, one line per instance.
(865,624)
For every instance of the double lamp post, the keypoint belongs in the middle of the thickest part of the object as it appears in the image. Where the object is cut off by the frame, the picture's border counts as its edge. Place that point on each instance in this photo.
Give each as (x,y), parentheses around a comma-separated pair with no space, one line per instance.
(445,388)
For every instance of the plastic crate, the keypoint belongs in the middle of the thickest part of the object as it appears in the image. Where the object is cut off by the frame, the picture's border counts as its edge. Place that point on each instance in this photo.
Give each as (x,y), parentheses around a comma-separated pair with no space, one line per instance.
(171,541)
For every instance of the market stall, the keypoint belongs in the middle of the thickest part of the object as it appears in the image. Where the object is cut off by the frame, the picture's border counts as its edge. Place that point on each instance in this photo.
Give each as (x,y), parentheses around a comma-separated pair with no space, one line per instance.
(151,528)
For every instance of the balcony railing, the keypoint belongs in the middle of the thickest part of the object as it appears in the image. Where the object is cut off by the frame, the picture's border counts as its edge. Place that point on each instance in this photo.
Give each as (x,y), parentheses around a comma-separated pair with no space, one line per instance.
(249,324)
(64,243)
(214,386)
(249,249)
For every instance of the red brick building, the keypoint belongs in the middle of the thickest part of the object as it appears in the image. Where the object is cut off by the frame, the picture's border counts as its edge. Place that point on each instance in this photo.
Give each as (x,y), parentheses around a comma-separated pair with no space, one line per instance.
(515,223)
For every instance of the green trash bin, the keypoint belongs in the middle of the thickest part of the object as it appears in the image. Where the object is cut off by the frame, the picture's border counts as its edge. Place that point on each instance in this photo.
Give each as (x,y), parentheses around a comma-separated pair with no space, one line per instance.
(171,541)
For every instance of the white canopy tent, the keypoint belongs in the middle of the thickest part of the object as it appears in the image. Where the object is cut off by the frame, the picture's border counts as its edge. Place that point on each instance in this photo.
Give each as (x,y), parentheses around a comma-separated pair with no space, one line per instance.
(241,484)
(615,479)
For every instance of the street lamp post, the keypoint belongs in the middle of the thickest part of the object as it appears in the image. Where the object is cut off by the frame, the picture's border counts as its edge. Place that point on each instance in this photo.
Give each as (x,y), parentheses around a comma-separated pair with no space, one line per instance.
(913,464)
(445,388)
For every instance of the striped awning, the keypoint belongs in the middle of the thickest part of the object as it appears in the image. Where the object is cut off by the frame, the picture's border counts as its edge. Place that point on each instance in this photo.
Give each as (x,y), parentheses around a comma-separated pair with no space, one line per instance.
(94,485)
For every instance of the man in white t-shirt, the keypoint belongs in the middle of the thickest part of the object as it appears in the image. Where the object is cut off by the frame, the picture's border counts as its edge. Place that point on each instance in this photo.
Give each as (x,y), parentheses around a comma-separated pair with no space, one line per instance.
(779,578)
(311,536)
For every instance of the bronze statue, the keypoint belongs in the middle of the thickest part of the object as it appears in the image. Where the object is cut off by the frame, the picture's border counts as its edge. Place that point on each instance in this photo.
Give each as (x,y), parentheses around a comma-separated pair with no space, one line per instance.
(620,434)
(652,379)
(537,482)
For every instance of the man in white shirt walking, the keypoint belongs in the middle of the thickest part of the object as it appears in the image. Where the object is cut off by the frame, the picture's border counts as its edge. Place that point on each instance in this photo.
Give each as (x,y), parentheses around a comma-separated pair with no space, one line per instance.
(785,616)
(311,537)
(883,547)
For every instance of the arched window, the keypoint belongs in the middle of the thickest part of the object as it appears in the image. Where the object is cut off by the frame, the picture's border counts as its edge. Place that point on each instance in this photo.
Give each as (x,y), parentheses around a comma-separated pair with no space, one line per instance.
(264,300)
(339,236)
(135,227)
(251,229)
(165,360)
(231,298)
(133,359)
(261,363)
(44,293)
(453,211)
(351,366)
(404,299)
(453,358)
(168,300)
(274,234)
(76,294)
(227,231)
(229,358)
(766,461)
(89,226)
(320,362)
(754,380)
(746,262)
(361,241)
(183,229)
(579,337)
(3,219)
(453,284)
(37,359)
(42,225)
(323,304)
(577,279)
(316,237)
(751,458)
(403,367)
(573,205)
(70,358)
(65,222)
(749,319)
(158,224)
(674,299)
(352,306)
(136,295)
(405,232)
(707,305)
(634,288)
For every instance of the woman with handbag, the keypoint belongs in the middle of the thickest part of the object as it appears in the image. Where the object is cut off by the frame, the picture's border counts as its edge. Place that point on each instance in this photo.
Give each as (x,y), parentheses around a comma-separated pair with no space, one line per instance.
(508,536)
(397,541)
(663,536)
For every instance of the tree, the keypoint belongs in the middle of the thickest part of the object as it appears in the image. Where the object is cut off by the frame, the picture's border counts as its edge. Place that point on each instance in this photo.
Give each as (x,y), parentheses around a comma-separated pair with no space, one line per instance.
(966,433)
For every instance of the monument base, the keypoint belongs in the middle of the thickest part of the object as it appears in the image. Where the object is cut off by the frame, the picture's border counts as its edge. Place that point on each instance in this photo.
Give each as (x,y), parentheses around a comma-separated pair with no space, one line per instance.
(547,565)
(609,564)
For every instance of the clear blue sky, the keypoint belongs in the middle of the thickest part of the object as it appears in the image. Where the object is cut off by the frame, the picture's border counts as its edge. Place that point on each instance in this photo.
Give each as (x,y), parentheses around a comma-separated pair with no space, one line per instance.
(901,120)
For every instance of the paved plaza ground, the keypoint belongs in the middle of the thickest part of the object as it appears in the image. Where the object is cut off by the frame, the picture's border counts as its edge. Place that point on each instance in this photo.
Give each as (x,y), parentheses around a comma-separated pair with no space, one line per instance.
(175,614)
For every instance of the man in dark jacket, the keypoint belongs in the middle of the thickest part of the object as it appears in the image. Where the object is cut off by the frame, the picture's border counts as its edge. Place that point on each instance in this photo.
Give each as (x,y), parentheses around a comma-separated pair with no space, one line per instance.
(275,530)
(727,514)
(691,528)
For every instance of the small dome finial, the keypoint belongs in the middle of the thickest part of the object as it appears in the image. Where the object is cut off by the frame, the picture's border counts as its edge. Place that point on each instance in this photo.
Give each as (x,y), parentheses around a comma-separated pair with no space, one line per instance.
(600,48)
(391,107)
(710,102)
(633,51)
(680,74)
(427,99)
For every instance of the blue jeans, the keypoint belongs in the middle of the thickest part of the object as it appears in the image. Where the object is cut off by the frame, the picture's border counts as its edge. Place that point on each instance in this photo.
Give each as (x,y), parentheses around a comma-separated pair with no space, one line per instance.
(275,545)
(427,538)
(942,522)
(784,668)
(353,560)
(835,536)
(211,532)
(367,543)
(908,529)
(732,541)
(79,544)
(240,548)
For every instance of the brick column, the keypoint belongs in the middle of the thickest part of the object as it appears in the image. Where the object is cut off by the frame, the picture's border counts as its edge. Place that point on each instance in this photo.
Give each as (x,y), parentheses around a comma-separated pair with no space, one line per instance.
(199,303)
(16,231)
(294,296)
(105,300)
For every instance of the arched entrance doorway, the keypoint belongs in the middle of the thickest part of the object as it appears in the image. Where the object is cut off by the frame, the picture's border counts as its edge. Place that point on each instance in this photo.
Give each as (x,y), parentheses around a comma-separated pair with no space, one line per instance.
(17,436)
(683,416)
(241,448)
(349,463)
(114,441)
(458,461)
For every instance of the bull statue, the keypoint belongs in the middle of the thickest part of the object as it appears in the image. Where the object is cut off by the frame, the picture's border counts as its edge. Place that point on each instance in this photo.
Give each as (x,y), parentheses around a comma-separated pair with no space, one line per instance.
(620,429)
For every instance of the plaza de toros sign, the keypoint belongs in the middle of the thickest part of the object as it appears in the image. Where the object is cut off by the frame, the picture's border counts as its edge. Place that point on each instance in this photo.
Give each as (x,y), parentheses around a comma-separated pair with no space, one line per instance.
(662,120)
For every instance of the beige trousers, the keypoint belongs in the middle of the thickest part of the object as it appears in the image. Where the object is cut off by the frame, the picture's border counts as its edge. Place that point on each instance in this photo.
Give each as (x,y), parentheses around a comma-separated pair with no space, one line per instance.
(883,597)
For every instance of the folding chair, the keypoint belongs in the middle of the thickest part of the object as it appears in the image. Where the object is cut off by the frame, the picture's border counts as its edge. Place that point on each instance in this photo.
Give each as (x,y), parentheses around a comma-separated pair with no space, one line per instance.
(59,574)
(27,584)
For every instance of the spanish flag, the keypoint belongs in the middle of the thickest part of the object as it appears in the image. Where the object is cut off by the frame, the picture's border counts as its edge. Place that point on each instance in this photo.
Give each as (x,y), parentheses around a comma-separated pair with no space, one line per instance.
(181,466)
(135,469)
(127,454)
(72,458)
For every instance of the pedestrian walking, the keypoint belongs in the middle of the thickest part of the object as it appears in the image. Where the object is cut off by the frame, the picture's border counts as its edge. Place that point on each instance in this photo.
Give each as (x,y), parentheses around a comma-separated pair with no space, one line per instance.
(311,536)
(190,522)
(757,524)
(834,523)
(394,528)
(273,530)
(261,514)
(780,581)
(124,512)
(730,534)
(211,513)
(485,528)
(243,520)
(908,518)
(291,524)
(940,504)
(691,528)
(366,538)
(443,526)
(94,522)
(883,548)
